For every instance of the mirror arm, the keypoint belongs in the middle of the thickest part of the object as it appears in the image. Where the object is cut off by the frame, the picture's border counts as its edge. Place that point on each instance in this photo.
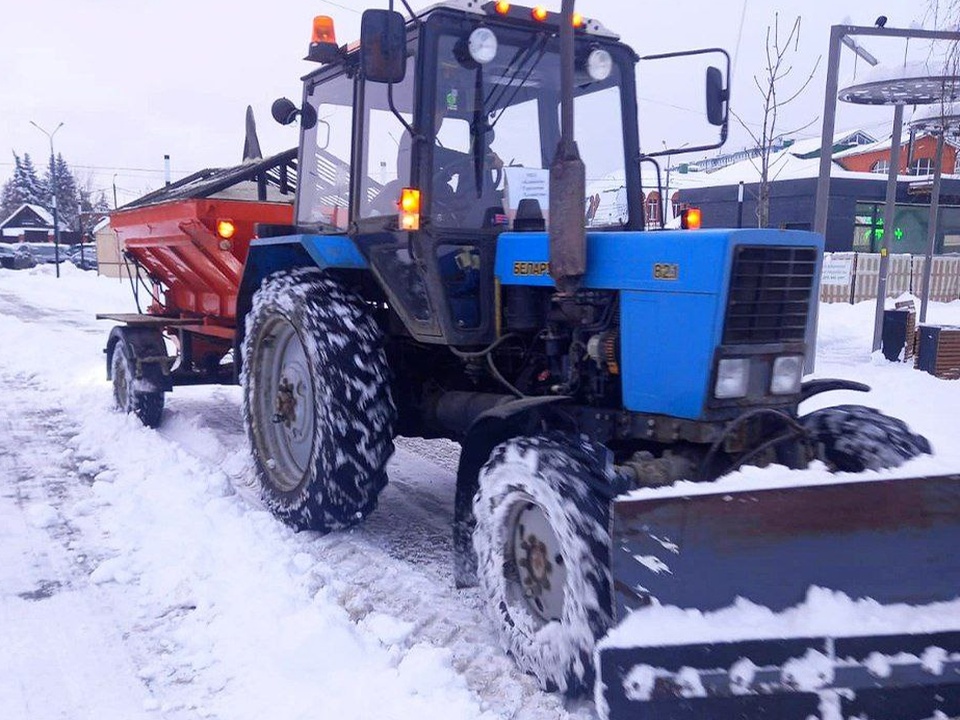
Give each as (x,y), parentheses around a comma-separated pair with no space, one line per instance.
(726,119)
(393,109)
(650,159)
(413,16)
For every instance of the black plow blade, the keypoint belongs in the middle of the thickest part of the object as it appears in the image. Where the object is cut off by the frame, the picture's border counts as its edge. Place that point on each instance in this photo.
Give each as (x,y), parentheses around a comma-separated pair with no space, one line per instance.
(885,552)
(892,677)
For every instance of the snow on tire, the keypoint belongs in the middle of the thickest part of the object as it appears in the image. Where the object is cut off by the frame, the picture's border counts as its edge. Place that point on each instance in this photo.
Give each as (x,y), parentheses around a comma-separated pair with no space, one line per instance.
(542,543)
(316,400)
(854,438)
(146,405)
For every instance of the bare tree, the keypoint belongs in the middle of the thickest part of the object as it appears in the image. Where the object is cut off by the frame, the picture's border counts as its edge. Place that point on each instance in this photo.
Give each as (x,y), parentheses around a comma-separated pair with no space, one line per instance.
(771,86)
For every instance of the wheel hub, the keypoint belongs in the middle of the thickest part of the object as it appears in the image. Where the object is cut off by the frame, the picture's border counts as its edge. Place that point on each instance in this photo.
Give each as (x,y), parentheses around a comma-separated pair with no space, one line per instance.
(286,400)
(541,570)
(286,404)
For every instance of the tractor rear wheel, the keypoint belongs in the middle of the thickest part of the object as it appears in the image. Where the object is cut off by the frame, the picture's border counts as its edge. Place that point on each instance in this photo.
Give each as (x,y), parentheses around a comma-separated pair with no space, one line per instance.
(146,405)
(542,544)
(854,438)
(316,401)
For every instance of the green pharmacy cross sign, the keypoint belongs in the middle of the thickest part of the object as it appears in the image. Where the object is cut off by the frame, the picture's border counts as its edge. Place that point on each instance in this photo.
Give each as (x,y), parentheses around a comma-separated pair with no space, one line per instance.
(877,232)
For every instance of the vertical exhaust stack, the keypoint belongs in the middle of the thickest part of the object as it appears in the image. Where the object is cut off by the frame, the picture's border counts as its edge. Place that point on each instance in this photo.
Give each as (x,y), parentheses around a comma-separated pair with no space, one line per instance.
(166,169)
(568,238)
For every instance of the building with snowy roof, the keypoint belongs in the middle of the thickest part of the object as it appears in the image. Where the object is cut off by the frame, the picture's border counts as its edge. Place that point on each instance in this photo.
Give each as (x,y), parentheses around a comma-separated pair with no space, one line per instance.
(28,223)
(857,192)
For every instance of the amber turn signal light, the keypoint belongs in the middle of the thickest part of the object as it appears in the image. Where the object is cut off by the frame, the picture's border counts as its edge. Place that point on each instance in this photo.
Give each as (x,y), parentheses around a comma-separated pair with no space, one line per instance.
(691,219)
(226,229)
(409,209)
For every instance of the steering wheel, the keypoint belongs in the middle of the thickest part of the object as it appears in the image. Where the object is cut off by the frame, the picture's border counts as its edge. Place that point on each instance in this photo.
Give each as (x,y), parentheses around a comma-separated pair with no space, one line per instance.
(457,203)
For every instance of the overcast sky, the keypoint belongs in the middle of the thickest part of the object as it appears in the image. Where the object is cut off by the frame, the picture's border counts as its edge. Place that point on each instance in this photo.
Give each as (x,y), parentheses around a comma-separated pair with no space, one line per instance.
(132,81)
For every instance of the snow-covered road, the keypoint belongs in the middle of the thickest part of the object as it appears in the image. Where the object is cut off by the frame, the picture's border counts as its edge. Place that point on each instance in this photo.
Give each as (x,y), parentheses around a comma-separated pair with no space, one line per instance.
(141,578)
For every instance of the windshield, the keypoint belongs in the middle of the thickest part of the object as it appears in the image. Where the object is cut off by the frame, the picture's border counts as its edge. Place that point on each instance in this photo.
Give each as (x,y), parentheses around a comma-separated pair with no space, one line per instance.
(497,125)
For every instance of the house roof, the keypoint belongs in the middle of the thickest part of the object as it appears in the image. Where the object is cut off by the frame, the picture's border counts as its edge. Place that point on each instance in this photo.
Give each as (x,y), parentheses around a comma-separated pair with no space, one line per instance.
(40,212)
(885,144)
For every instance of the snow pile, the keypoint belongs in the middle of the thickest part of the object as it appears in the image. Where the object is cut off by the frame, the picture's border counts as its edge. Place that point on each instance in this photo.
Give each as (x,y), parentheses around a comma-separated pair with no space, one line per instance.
(824,613)
(244,618)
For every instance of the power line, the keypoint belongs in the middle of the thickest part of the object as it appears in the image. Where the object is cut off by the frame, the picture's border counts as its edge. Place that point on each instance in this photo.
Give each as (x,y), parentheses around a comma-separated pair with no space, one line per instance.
(342,7)
(111,168)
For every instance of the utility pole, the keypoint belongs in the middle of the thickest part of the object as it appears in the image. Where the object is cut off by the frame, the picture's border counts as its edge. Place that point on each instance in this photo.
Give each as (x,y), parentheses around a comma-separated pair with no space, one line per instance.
(115,191)
(53,193)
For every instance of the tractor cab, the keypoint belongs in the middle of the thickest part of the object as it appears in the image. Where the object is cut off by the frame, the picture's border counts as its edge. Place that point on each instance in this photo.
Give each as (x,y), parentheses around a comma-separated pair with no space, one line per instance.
(431,137)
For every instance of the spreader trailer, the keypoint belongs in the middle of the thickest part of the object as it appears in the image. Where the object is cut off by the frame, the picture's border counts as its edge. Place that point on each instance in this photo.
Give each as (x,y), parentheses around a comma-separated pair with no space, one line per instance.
(441,278)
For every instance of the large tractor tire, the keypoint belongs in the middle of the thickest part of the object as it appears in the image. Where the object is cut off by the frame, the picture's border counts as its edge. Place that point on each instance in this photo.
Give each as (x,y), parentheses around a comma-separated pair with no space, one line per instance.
(542,544)
(130,394)
(316,401)
(854,438)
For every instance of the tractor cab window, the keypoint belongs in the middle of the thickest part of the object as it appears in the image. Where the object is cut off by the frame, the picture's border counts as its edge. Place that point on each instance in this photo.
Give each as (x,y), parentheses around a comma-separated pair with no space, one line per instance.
(324,197)
(387,145)
(597,121)
(498,122)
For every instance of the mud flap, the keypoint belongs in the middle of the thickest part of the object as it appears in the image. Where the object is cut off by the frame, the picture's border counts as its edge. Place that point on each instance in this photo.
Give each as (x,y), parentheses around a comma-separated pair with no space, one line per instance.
(894,541)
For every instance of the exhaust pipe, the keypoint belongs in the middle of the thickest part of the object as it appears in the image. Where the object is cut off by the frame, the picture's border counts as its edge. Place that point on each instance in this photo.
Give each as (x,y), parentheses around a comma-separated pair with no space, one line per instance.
(568,238)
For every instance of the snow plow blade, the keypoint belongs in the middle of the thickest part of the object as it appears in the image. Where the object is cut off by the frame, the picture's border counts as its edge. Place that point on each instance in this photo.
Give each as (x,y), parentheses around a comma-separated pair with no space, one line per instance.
(829,601)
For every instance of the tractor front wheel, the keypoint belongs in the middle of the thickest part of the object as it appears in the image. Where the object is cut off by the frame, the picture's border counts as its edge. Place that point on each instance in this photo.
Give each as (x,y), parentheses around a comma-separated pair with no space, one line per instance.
(316,401)
(542,544)
(854,438)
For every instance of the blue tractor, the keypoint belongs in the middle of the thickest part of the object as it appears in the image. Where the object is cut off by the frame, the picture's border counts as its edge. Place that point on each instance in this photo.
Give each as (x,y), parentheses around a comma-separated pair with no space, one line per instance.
(439,281)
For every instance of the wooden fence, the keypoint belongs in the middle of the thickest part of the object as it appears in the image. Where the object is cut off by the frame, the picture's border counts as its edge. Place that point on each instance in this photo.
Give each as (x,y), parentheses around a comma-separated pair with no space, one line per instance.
(853,277)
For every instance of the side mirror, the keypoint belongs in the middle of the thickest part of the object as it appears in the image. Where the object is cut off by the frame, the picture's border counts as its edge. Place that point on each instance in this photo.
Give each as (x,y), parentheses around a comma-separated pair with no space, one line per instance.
(383,46)
(716,97)
(285,112)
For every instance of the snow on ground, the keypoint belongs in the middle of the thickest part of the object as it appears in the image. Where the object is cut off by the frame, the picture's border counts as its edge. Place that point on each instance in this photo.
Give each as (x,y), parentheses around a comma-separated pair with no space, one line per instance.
(141,578)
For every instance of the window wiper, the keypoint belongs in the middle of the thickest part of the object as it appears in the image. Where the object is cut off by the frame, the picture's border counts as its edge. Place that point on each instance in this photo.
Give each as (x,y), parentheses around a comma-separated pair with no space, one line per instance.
(479,127)
(519,85)
(522,52)
(537,47)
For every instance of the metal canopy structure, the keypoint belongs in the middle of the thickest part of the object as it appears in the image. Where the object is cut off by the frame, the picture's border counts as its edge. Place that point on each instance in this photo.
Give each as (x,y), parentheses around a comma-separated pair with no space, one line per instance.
(909,85)
(279,171)
(920,90)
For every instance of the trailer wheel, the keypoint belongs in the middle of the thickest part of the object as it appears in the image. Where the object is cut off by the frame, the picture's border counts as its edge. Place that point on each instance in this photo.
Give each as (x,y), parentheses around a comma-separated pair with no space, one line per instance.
(316,401)
(542,543)
(854,438)
(146,405)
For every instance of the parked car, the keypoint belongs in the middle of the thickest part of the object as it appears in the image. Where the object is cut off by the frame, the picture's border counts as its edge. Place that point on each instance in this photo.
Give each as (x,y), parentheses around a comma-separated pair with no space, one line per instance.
(46,252)
(85,258)
(16,257)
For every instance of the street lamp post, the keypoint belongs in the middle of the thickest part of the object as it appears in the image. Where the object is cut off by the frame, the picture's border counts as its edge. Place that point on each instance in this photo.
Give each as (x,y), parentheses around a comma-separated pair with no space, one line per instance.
(53,194)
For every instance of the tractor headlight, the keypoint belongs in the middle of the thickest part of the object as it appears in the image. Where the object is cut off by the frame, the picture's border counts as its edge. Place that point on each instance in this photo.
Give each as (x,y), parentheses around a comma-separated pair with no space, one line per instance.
(733,375)
(482,45)
(787,372)
(599,65)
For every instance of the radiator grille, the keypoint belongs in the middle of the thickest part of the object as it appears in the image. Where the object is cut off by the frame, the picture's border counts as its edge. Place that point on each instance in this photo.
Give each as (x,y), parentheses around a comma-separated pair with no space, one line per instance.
(769,294)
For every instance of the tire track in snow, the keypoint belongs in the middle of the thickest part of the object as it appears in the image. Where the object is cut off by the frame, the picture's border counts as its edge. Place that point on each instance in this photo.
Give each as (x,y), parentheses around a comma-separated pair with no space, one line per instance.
(397,566)
(86,652)
(399,563)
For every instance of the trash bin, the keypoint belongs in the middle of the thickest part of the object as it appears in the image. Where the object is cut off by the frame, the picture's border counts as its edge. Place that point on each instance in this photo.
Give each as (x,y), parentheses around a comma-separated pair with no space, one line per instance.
(939,351)
(897,336)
